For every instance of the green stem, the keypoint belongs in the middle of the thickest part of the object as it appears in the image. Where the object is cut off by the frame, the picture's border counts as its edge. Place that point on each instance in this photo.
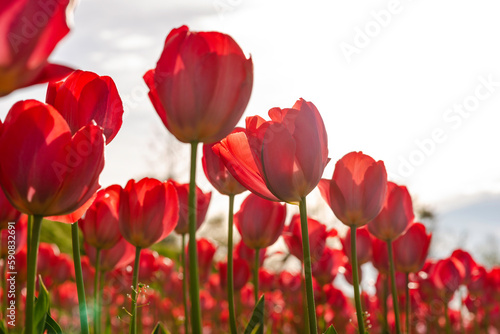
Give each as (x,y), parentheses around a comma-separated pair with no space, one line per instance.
(31,279)
(230,278)
(256,276)
(395,302)
(184,285)
(135,279)
(97,295)
(307,267)
(28,237)
(194,279)
(408,304)
(84,325)
(447,317)
(355,281)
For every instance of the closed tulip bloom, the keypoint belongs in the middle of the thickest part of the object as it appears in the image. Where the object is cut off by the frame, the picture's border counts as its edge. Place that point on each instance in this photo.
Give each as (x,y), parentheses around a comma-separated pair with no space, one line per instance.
(259,221)
(396,214)
(149,210)
(46,171)
(241,272)
(201,85)
(327,267)
(205,251)
(116,257)
(411,248)
(317,237)
(357,189)
(467,262)
(202,202)
(85,96)
(257,159)
(446,276)
(30,31)
(100,225)
(363,245)
(380,258)
(217,173)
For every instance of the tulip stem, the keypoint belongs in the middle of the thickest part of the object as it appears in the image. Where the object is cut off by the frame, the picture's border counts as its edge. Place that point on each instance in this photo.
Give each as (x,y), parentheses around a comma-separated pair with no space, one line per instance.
(256,276)
(184,285)
(355,282)
(135,295)
(230,278)
(395,302)
(31,279)
(408,304)
(194,279)
(97,295)
(307,267)
(84,323)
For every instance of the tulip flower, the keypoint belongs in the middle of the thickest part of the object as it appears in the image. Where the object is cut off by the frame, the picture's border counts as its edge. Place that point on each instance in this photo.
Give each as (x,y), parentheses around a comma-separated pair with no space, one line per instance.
(241,273)
(202,203)
(149,210)
(100,230)
(326,268)
(30,31)
(84,97)
(116,257)
(411,248)
(363,245)
(7,212)
(467,262)
(201,85)
(356,194)
(390,223)
(200,88)
(47,171)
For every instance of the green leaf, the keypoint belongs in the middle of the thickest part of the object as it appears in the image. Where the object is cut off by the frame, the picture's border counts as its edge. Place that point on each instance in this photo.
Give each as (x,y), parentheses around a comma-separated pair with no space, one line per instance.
(52,326)
(257,320)
(42,305)
(3,327)
(159,329)
(331,330)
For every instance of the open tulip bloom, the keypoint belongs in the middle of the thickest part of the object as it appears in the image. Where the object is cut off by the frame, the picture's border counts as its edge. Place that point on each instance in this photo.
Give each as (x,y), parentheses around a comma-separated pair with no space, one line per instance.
(281,160)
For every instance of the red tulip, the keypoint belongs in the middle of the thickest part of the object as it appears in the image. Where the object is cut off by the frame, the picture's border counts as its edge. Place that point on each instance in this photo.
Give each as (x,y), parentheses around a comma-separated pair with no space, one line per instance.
(241,273)
(447,276)
(45,171)
(357,189)
(30,31)
(19,231)
(257,159)
(396,214)
(411,248)
(201,85)
(205,251)
(217,173)
(148,266)
(467,262)
(149,210)
(116,257)
(380,257)
(326,268)
(202,202)
(63,269)
(242,251)
(317,237)
(259,221)
(7,212)
(84,97)
(363,245)
(100,225)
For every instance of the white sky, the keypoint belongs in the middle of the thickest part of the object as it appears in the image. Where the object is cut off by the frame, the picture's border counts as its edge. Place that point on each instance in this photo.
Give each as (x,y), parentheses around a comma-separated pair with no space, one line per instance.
(394,91)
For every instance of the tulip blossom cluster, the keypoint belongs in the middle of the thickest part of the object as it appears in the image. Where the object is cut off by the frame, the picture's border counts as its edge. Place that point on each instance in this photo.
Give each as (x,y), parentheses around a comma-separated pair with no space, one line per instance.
(52,154)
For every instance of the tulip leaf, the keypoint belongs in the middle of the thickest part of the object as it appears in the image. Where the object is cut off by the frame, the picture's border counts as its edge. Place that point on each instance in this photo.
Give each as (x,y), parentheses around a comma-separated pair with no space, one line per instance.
(256,322)
(159,329)
(331,330)
(52,326)
(3,328)
(42,305)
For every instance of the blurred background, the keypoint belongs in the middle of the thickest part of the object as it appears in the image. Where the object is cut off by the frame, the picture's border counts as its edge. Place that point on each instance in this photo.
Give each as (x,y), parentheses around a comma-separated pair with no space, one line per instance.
(413,83)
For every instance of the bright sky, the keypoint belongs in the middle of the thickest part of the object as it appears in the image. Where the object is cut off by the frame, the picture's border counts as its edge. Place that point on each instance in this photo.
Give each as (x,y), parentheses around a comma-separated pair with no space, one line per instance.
(413,83)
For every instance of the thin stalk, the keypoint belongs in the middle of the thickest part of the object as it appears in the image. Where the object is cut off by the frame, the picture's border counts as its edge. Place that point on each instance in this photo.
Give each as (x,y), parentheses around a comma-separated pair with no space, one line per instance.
(194,279)
(84,322)
(97,295)
(230,278)
(256,276)
(447,317)
(395,303)
(408,304)
(355,281)
(135,279)
(184,285)
(311,308)
(31,279)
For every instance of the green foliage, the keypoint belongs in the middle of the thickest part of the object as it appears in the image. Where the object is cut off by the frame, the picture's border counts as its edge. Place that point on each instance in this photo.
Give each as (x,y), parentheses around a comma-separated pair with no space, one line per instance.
(57,233)
(41,308)
(257,319)
(159,329)
(331,330)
